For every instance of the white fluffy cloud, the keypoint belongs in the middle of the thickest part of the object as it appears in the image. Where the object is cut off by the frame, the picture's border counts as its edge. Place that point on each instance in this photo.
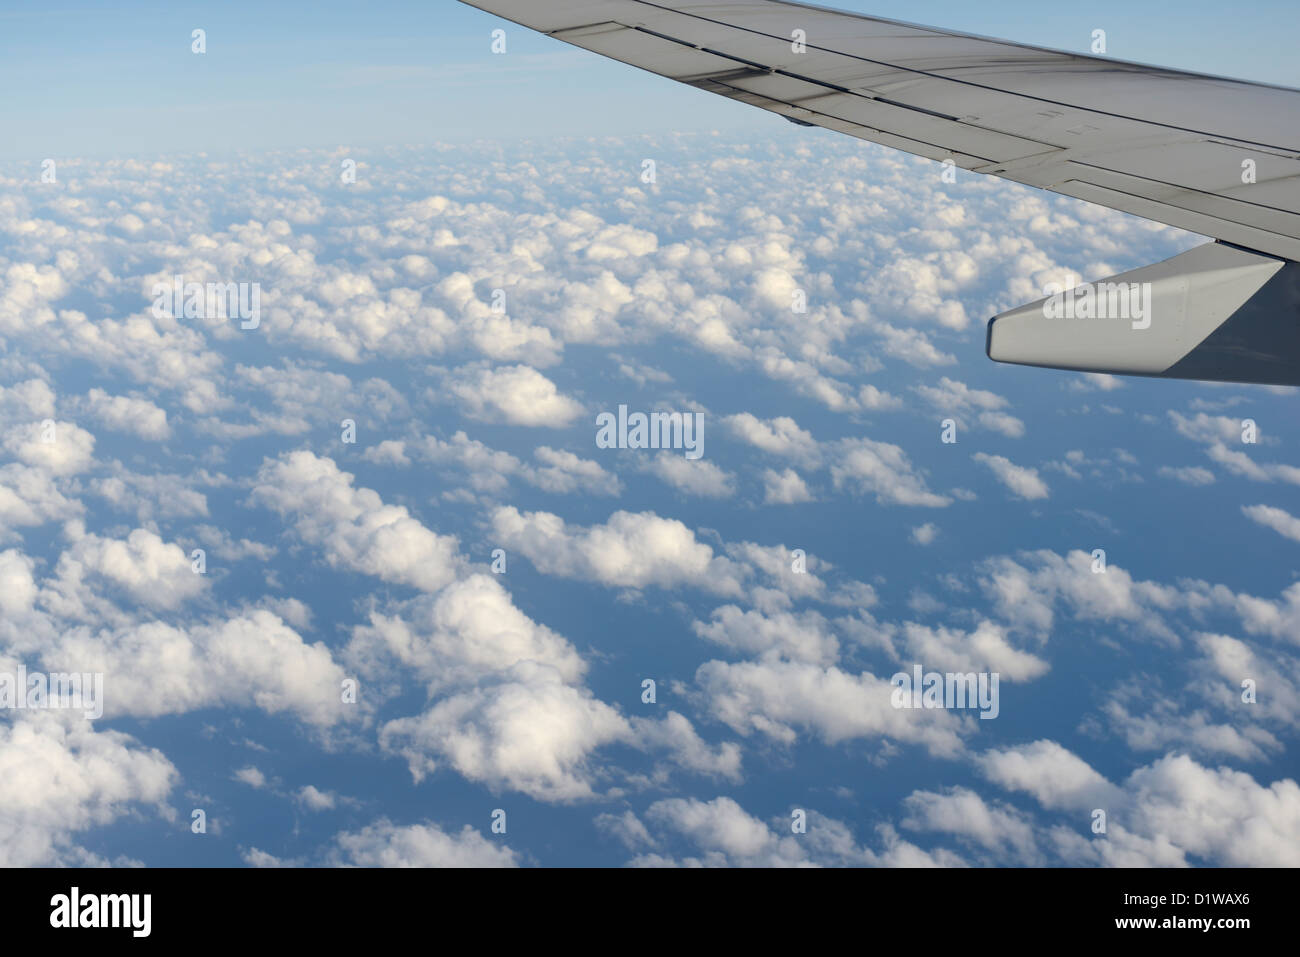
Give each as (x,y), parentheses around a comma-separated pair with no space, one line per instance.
(128,414)
(1021,481)
(531,733)
(517,395)
(1280,520)
(469,630)
(507,304)
(884,470)
(692,476)
(353,526)
(59,448)
(724,834)
(385,844)
(780,436)
(925,534)
(786,487)
(776,698)
(631,550)
(254,660)
(59,778)
(151,571)
(1158,817)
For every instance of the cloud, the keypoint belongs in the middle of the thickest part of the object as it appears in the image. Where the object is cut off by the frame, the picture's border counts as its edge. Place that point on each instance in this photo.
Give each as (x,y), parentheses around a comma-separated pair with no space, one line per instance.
(776,698)
(631,550)
(1282,522)
(864,465)
(60,778)
(490,470)
(1188,475)
(1028,593)
(984,649)
(877,400)
(253,660)
(149,570)
(958,811)
(29,497)
(251,776)
(563,472)
(1023,482)
(720,824)
(353,526)
(530,732)
(468,631)
(780,436)
(59,448)
(694,477)
(1054,776)
(1157,817)
(121,413)
(805,637)
(786,487)
(314,799)
(925,534)
(610,293)
(385,844)
(723,834)
(516,395)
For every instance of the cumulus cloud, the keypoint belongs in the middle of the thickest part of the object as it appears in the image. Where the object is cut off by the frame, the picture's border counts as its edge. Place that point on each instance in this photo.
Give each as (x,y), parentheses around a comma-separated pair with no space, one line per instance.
(1027,592)
(1054,776)
(776,635)
(951,397)
(1156,818)
(631,550)
(694,477)
(59,448)
(469,630)
(884,470)
(779,436)
(253,660)
(721,833)
(128,414)
(531,733)
(490,470)
(984,649)
(786,487)
(517,395)
(1189,474)
(353,526)
(925,534)
(451,327)
(777,698)
(1280,520)
(151,571)
(385,844)
(62,778)
(1023,482)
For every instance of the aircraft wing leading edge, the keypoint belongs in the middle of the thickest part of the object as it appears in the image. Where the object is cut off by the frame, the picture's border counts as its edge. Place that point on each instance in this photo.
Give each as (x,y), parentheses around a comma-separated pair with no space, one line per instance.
(1214,156)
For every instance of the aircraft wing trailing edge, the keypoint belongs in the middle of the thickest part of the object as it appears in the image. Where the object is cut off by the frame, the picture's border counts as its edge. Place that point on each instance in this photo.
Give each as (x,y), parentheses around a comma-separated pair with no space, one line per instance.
(1214,156)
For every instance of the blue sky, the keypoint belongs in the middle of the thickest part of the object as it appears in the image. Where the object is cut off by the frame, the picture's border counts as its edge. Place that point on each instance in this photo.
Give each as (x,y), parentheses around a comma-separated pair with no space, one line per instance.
(520,688)
(121,80)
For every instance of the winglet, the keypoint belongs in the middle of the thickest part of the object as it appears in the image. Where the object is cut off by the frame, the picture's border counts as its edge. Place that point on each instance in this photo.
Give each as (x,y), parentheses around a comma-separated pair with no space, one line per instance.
(1215,312)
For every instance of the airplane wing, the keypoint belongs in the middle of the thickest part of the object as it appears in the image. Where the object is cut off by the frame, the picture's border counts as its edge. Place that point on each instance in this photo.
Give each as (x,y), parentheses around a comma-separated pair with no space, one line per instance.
(1215,156)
